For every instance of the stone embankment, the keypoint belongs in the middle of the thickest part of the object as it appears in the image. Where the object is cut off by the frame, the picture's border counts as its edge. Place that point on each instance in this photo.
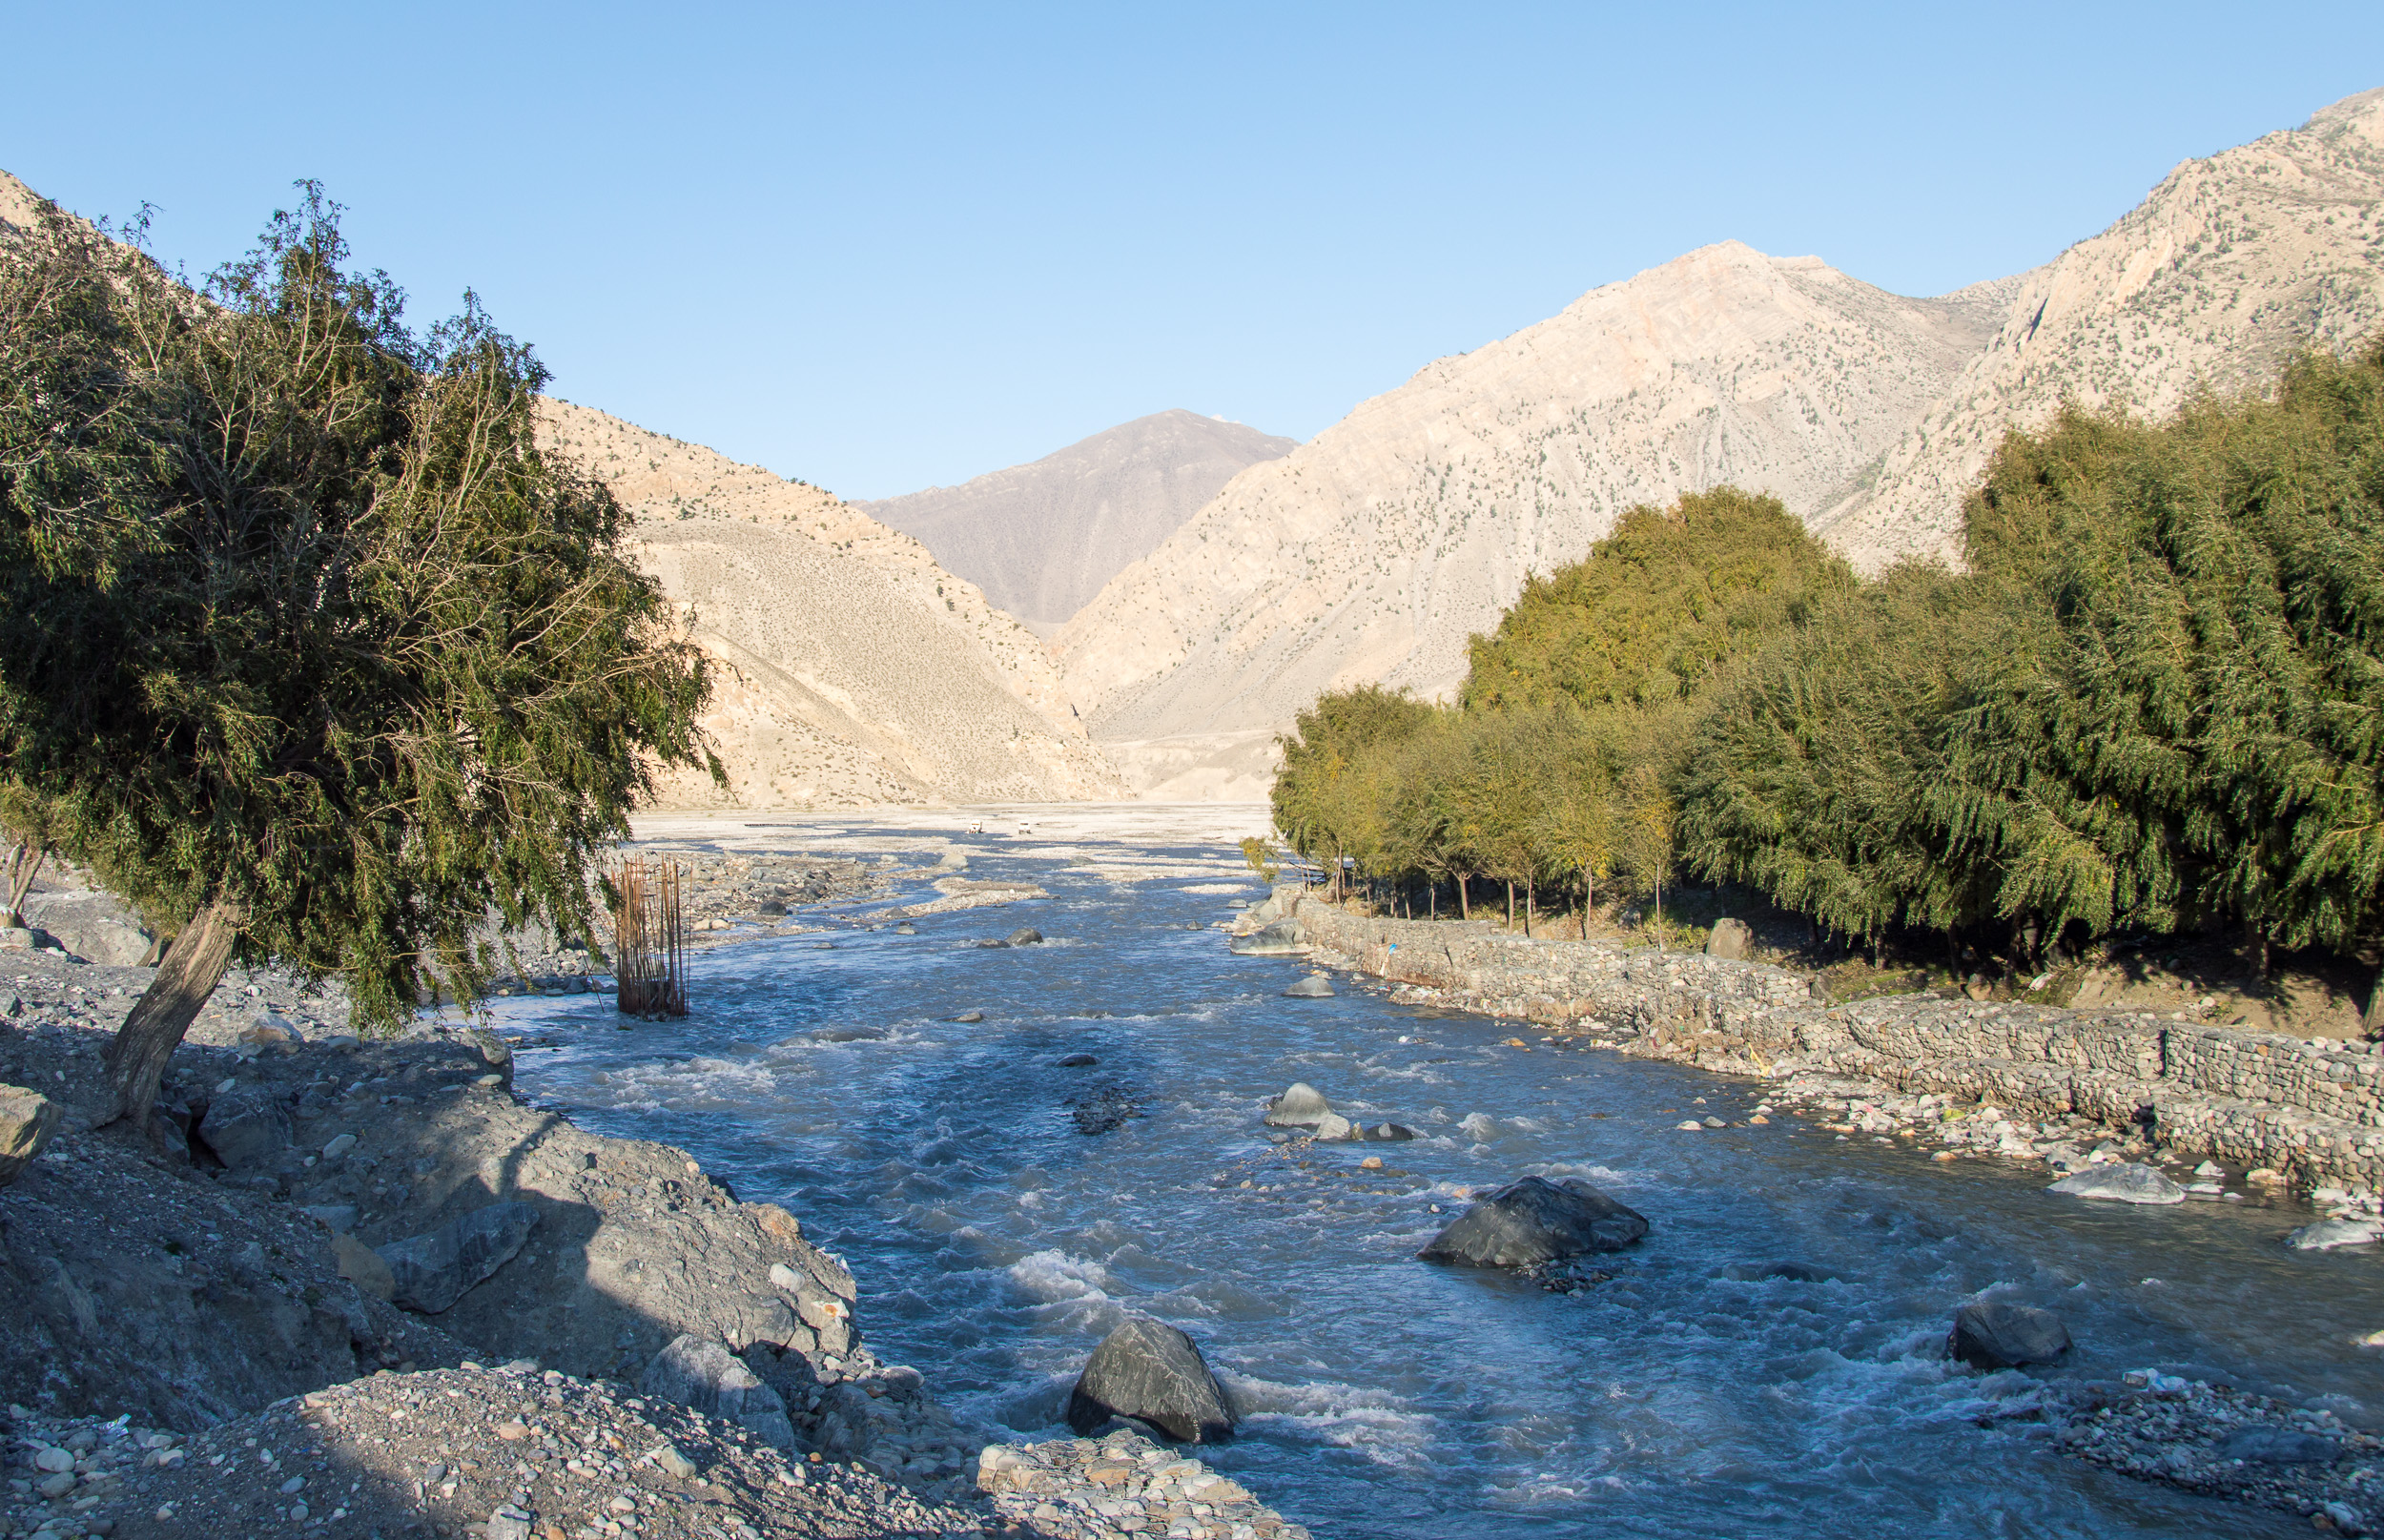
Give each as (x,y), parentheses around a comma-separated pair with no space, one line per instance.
(2310,1110)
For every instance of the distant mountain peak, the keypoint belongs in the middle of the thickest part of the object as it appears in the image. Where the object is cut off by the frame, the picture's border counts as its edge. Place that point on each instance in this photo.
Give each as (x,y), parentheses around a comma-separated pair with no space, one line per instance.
(1040,539)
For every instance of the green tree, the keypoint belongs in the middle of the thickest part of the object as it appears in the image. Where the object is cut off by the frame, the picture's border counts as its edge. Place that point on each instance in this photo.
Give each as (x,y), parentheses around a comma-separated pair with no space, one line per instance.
(311,652)
(1332,793)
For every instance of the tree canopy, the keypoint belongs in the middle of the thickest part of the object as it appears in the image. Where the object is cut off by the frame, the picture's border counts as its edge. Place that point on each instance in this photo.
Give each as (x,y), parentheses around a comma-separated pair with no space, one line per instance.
(309,645)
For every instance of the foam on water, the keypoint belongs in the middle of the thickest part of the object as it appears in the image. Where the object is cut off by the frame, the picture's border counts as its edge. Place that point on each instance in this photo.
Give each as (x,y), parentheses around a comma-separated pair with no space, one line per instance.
(1388,1399)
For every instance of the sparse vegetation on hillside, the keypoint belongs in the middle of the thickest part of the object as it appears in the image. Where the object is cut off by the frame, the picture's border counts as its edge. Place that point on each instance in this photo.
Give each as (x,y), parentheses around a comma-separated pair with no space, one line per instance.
(311,652)
(2154,703)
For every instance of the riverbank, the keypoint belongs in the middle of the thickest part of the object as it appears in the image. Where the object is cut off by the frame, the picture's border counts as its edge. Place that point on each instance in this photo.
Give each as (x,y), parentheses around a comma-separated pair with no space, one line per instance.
(2306,1113)
(328,1238)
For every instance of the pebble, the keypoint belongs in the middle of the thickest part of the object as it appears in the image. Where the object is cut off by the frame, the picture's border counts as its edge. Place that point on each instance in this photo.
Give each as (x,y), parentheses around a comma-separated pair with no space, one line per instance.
(1121,1483)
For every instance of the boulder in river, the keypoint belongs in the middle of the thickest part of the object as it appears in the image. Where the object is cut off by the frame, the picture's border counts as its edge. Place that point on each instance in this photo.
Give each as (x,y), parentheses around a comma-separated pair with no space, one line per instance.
(1301,1106)
(1151,1373)
(430,1272)
(1078,1061)
(2327,1234)
(1992,1335)
(705,1376)
(1730,940)
(1104,1110)
(970,1016)
(1334,1126)
(2120,1183)
(1281,939)
(1535,1220)
(1314,987)
(2271,1445)
(1026,936)
(1389,1133)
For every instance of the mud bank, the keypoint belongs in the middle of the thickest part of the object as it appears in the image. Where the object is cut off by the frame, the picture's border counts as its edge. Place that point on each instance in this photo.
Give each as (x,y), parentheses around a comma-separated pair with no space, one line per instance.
(2311,1110)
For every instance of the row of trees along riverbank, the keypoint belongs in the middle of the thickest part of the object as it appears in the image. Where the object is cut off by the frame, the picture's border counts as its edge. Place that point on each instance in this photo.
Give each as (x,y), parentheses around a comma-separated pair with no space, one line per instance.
(309,651)
(2151,702)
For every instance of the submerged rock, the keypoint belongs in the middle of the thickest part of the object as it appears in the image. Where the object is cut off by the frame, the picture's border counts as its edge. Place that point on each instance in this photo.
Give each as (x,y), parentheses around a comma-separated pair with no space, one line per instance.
(1102,1111)
(1314,987)
(2277,1446)
(1078,1061)
(1149,1372)
(708,1377)
(2326,1235)
(2120,1183)
(1794,1272)
(1991,1335)
(1301,1106)
(1535,1220)
(431,1272)
(1025,935)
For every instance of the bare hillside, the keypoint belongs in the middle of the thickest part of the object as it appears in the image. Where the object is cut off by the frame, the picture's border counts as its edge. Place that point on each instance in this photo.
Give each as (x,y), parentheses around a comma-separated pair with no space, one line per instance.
(1374,551)
(856,670)
(1042,539)
(2225,267)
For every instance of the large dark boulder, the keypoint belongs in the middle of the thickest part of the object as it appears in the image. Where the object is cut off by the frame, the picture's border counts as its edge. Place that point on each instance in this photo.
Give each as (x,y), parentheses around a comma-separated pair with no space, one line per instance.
(1535,1220)
(1151,1373)
(247,1128)
(1990,1335)
(430,1272)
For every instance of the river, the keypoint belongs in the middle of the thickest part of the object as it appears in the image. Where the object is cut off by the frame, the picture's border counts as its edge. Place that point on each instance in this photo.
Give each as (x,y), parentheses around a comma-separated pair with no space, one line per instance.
(995,1244)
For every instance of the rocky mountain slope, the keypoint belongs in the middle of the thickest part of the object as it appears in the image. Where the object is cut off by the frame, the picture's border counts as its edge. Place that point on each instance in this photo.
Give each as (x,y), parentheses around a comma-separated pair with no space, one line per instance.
(1374,551)
(2225,267)
(1042,539)
(855,669)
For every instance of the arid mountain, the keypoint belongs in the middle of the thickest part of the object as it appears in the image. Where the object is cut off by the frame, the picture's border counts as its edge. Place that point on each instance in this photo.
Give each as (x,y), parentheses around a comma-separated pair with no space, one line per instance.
(856,670)
(1371,552)
(1042,539)
(19,204)
(2227,266)
(1374,551)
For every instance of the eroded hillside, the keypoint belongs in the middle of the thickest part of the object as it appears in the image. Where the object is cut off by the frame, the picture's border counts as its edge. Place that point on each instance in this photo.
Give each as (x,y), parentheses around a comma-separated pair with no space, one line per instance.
(856,670)
(1374,551)
(2227,266)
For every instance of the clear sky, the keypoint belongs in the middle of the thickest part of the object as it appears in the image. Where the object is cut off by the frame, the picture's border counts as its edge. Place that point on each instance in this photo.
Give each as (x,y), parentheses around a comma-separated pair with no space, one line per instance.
(881,247)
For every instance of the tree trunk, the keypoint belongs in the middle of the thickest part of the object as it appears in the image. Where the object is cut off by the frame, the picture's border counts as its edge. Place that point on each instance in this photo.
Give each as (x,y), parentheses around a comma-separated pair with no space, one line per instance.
(1527,906)
(2372,1023)
(137,1056)
(1511,906)
(1464,898)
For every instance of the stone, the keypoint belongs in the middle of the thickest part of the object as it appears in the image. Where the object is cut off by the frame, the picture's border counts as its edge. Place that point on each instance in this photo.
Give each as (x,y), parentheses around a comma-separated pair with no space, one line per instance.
(1334,1126)
(1391,1133)
(55,1460)
(1730,940)
(2271,1445)
(1283,938)
(432,1271)
(1301,1106)
(1025,935)
(770,908)
(508,1523)
(55,1485)
(970,1017)
(1314,987)
(2120,1183)
(337,1218)
(673,1463)
(1078,1061)
(1989,1334)
(268,1030)
(1535,1220)
(27,1120)
(338,1145)
(248,1128)
(1690,1125)
(1151,1373)
(2326,1235)
(361,1266)
(705,1376)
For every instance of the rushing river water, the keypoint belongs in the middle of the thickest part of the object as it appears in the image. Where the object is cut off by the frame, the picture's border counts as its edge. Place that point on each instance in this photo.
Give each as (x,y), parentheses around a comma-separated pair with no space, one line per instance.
(995,1244)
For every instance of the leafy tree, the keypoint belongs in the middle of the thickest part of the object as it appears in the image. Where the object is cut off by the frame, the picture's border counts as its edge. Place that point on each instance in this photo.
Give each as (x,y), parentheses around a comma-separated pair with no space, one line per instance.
(1652,613)
(311,653)
(1331,796)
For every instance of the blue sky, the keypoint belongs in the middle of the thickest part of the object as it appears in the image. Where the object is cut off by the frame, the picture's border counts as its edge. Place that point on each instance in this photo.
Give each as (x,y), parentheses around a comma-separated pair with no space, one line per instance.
(883,247)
